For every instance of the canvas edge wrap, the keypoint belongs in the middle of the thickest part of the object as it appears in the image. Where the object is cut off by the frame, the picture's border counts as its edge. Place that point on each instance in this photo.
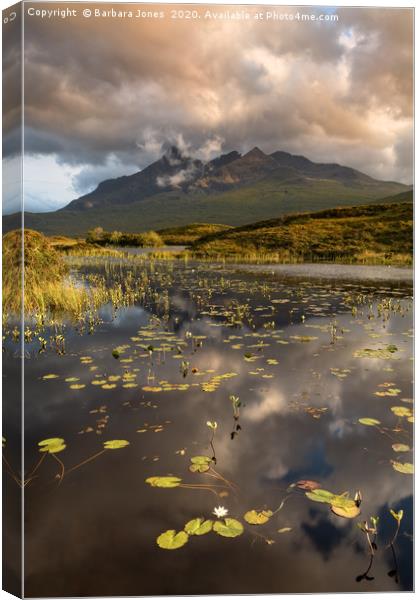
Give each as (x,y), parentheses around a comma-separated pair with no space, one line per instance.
(12,385)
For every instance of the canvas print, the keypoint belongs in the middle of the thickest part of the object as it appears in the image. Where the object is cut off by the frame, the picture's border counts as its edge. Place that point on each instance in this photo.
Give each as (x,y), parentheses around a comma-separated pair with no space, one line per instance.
(207,299)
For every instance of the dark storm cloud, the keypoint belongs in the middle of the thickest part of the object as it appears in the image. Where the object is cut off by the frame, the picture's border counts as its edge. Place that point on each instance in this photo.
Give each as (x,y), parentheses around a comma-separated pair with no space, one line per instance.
(97,88)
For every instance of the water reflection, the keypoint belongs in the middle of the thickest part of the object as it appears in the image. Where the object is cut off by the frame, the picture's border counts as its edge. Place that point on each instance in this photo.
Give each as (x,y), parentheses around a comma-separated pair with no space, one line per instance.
(291,358)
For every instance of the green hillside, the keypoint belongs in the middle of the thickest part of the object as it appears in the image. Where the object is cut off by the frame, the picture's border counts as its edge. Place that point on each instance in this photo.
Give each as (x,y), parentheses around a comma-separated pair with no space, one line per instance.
(266,199)
(370,234)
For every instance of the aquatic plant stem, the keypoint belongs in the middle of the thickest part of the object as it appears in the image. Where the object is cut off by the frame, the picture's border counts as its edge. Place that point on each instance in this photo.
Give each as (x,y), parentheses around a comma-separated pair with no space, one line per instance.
(62,467)
(212,447)
(38,464)
(11,472)
(87,460)
(200,487)
(216,474)
(391,543)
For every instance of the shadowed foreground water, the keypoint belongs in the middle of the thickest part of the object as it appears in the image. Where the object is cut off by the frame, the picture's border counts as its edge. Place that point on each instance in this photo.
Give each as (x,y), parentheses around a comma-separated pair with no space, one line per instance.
(290,350)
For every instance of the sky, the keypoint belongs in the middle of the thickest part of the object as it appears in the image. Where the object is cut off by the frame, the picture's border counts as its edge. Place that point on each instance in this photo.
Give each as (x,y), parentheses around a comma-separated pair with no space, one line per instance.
(104,96)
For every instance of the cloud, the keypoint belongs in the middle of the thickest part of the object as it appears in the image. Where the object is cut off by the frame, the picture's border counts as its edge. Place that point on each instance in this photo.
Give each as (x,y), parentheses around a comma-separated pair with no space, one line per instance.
(97,88)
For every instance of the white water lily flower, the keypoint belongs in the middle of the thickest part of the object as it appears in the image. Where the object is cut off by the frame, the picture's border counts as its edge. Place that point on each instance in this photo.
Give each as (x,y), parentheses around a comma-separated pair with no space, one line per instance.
(220,511)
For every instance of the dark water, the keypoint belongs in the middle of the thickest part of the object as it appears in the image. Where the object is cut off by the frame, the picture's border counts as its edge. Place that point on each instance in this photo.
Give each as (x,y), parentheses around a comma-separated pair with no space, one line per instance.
(288,347)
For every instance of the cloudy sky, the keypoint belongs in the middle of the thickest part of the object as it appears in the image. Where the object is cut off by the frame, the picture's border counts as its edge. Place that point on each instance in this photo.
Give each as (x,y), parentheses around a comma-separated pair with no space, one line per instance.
(103,96)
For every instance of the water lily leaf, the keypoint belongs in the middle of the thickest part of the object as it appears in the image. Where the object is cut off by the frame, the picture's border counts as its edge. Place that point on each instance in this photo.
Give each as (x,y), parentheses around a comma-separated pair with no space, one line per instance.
(406,468)
(230,528)
(198,526)
(52,445)
(200,464)
(368,421)
(164,482)
(343,502)
(400,448)
(201,460)
(348,511)
(171,540)
(50,376)
(402,411)
(199,468)
(308,485)
(320,495)
(116,444)
(257,518)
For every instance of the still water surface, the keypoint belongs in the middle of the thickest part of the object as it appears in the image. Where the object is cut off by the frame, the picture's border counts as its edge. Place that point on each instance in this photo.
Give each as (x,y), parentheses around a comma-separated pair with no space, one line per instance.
(288,348)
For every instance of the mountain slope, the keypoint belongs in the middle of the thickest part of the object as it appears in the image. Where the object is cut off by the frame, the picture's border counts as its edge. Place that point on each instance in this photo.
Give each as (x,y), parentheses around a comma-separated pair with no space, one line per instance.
(232,189)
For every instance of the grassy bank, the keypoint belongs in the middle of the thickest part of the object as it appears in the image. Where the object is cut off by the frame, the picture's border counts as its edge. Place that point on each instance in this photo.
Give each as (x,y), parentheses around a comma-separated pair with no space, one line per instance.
(48,286)
(187,234)
(371,234)
(149,239)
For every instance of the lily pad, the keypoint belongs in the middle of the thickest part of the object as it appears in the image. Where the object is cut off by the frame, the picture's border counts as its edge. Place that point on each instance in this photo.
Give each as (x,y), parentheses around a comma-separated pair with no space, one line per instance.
(171,540)
(369,422)
(348,511)
(164,482)
(400,448)
(115,444)
(405,468)
(52,445)
(402,411)
(308,485)
(320,495)
(198,526)
(200,464)
(258,518)
(230,528)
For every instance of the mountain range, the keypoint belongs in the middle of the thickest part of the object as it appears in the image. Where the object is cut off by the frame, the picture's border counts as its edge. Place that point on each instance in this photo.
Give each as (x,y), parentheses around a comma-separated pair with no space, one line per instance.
(233,189)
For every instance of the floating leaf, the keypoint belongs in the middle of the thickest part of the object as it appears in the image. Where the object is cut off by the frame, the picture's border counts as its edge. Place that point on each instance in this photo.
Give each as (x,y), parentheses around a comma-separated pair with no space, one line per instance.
(116,444)
(164,482)
(320,495)
(171,540)
(349,511)
(257,518)
(340,504)
(370,422)
(402,411)
(230,528)
(50,376)
(77,386)
(308,485)
(201,460)
(199,468)
(52,445)
(284,530)
(200,464)
(400,448)
(198,526)
(406,468)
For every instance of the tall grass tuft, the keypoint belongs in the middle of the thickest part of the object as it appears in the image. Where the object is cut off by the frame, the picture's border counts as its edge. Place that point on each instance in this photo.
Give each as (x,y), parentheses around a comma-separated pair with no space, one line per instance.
(47,284)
